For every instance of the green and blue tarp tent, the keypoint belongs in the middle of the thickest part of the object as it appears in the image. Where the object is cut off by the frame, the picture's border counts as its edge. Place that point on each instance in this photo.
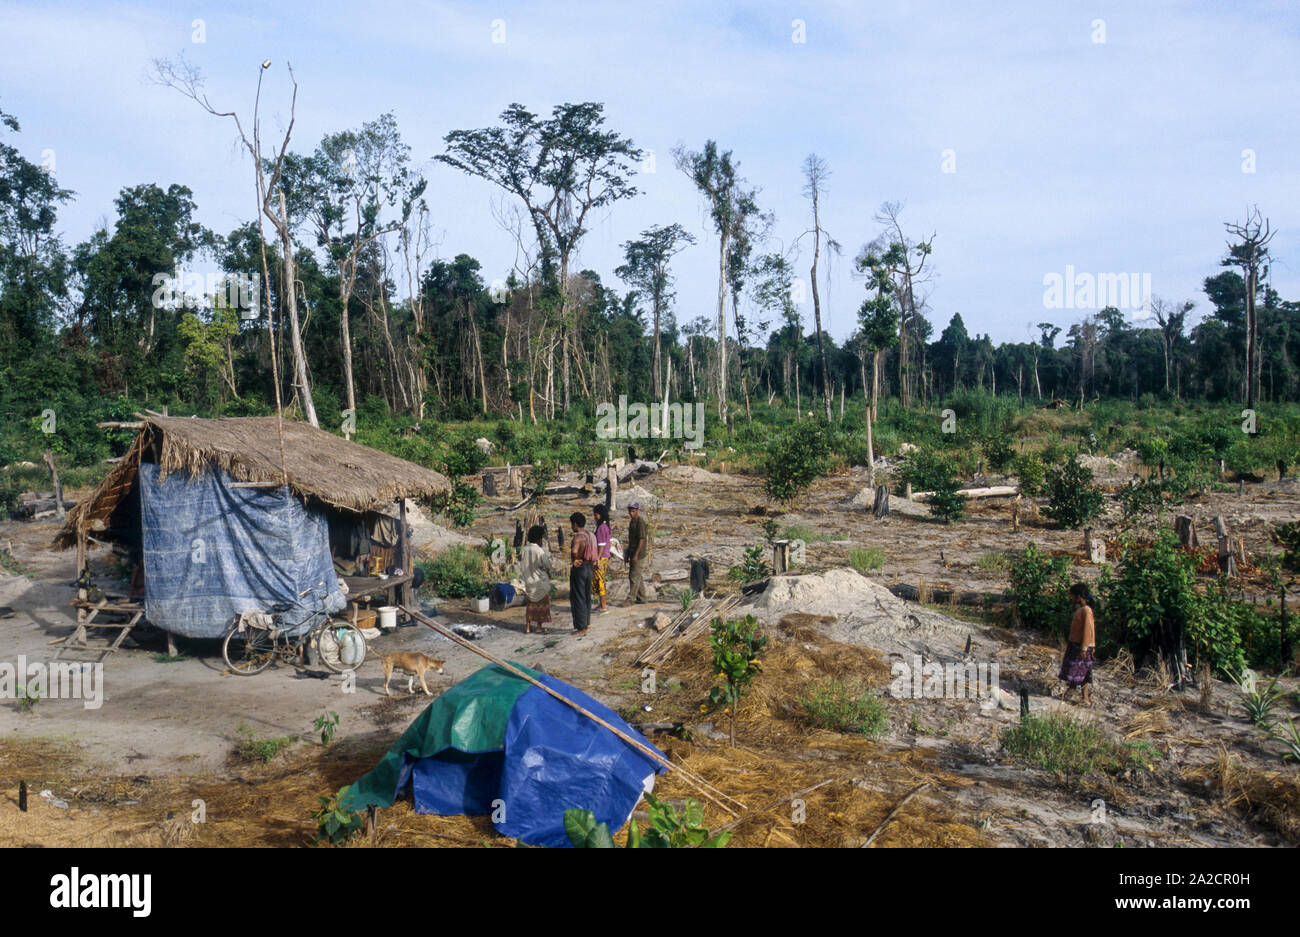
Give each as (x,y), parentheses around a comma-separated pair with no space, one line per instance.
(496,744)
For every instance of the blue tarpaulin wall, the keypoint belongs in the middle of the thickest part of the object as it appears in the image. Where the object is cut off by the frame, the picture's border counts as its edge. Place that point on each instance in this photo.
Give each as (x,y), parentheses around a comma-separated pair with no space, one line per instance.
(212,551)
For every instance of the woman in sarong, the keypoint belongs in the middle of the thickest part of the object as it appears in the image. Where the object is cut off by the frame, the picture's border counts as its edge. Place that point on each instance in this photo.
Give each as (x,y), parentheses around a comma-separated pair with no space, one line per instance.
(535,567)
(1081,648)
(604,539)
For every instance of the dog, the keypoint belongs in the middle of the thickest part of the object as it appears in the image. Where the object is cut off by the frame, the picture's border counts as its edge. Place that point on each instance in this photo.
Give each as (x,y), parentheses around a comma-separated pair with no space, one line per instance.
(413,664)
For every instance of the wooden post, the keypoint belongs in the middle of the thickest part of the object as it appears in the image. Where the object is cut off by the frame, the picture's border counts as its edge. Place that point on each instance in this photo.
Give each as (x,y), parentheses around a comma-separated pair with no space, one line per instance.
(1087,542)
(1185,527)
(489,486)
(57,486)
(1015,515)
(907,491)
(780,556)
(611,486)
(171,644)
(403,552)
(82,595)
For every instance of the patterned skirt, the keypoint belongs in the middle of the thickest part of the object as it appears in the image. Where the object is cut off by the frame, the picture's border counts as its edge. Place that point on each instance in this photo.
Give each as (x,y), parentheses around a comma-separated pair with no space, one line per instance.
(539,612)
(598,581)
(1076,668)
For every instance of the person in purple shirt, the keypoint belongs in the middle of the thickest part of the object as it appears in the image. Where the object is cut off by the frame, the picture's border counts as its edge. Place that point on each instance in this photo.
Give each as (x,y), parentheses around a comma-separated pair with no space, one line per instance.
(604,539)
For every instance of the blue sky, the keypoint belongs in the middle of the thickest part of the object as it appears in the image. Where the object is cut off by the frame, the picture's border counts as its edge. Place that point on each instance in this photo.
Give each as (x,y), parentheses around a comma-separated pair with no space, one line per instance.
(1122,156)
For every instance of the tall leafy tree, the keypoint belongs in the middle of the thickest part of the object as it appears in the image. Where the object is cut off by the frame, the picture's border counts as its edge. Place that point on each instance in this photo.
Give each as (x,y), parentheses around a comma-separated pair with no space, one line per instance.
(342,191)
(715,174)
(647,270)
(562,168)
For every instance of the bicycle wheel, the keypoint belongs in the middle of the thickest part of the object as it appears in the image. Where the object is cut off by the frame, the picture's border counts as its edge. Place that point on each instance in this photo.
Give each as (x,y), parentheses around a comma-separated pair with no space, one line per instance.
(340,646)
(249,651)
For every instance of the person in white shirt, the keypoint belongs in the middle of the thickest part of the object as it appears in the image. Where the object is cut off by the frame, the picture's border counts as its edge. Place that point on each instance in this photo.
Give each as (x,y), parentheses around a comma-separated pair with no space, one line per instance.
(536,567)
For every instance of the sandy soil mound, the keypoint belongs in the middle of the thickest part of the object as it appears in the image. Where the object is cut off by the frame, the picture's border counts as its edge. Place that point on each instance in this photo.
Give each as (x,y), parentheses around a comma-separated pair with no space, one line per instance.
(635,493)
(695,474)
(426,535)
(865,612)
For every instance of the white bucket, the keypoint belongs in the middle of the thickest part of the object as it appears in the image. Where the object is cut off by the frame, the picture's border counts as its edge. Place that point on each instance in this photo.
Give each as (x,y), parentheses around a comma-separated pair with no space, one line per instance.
(388,616)
(480,605)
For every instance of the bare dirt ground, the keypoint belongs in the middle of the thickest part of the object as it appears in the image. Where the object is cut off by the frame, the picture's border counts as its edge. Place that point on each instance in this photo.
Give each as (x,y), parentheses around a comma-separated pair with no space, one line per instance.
(166,731)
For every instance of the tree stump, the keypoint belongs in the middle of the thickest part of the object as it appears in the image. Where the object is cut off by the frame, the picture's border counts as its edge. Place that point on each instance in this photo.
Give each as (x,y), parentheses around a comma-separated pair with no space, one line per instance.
(1185,527)
(1227,562)
(489,485)
(780,556)
(881,507)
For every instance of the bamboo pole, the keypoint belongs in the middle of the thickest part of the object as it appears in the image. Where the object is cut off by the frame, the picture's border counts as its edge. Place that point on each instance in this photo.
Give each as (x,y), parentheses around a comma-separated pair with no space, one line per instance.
(893,813)
(649,751)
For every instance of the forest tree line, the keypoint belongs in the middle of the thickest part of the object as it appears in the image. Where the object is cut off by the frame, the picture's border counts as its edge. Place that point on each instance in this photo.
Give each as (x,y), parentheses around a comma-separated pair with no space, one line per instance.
(376,315)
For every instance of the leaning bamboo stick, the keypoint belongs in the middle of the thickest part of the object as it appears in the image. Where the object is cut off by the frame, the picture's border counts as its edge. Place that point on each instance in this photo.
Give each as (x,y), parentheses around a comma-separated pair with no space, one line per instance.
(653,753)
(893,813)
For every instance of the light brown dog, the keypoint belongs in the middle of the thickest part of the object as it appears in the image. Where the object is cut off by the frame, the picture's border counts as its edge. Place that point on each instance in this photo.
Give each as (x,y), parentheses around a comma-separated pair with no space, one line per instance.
(413,664)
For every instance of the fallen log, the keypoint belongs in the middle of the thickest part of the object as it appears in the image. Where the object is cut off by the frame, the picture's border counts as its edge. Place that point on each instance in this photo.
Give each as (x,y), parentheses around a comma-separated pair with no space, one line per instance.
(947,596)
(995,491)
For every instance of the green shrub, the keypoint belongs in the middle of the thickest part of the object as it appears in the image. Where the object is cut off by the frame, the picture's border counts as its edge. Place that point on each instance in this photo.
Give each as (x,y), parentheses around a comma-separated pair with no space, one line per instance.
(751,568)
(845,707)
(799,457)
(1073,500)
(1150,595)
(334,824)
(927,469)
(1031,472)
(458,505)
(465,458)
(945,503)
(668,829)
(1055,742)
(1140,499)
(998,452)
(736,645)
(459,572)
(1040,590)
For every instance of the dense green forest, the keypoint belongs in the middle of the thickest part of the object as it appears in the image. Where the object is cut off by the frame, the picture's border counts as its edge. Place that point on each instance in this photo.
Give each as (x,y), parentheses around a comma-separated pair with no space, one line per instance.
(380,326)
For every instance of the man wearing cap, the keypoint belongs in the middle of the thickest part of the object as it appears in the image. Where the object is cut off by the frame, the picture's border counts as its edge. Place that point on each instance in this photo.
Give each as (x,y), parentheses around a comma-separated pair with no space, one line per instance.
(638,545)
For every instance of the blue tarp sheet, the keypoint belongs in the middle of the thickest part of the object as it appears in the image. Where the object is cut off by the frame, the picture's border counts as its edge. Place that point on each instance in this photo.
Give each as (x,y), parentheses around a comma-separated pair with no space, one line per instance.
(212,551)
(552,758)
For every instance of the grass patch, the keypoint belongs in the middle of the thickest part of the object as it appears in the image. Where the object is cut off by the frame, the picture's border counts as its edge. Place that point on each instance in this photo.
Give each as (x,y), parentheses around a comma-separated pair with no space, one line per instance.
(994,561)
(806,534)
(846,707)
(162,657)
(866,558)
(250,748)
(1058,743)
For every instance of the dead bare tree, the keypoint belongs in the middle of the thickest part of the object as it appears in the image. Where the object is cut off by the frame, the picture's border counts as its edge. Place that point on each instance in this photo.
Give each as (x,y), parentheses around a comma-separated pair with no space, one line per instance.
(1250,253)
(187,79)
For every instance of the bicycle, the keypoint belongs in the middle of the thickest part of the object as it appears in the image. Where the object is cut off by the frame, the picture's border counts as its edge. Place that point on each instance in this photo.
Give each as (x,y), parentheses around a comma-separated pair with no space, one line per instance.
(256,640)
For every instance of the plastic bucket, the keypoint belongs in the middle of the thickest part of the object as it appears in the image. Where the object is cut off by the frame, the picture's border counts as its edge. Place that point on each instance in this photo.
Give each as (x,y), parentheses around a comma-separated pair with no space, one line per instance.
(388,616)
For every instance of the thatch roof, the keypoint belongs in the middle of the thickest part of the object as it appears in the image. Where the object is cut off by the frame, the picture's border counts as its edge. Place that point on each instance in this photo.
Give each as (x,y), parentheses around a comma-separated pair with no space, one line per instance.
(320,465)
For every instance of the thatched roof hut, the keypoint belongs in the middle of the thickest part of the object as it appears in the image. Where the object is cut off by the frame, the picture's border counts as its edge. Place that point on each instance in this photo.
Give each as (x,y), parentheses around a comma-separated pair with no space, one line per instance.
(320,465)
(217,521)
